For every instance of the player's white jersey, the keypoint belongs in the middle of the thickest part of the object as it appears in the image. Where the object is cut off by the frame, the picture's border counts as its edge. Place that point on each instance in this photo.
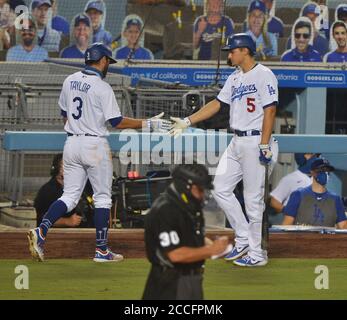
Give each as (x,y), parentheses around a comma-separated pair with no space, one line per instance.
(88,102)
(290,183)
(247,95)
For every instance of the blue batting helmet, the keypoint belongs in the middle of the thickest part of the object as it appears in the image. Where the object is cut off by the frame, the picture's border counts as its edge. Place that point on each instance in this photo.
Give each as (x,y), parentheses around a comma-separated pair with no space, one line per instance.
(97,51)
(240,40)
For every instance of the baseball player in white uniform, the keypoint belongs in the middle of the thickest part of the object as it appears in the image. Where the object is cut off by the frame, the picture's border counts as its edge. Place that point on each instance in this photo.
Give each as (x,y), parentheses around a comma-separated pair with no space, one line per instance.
(300,178)
(87,103)
(252,94)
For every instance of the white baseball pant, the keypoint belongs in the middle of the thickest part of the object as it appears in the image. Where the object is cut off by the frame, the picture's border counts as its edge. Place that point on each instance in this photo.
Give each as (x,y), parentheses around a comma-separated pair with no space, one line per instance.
(87,157)
(241,161)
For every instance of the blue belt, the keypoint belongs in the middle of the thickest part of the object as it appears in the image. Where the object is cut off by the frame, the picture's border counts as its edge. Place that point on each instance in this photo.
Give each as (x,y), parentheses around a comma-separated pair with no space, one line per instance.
(247,133)
(83,134)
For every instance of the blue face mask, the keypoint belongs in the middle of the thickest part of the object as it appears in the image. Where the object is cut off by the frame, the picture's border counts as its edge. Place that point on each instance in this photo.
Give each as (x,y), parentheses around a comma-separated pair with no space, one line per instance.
(322,178)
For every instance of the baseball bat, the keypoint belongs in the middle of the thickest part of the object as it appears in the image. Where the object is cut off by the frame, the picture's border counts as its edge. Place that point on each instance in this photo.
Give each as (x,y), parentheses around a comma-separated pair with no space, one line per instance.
(265,221)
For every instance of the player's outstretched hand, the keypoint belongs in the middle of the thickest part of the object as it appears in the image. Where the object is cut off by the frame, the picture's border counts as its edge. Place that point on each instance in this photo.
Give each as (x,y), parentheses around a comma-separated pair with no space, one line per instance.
(265,154)
(179,126)
(219,246)
(156,123)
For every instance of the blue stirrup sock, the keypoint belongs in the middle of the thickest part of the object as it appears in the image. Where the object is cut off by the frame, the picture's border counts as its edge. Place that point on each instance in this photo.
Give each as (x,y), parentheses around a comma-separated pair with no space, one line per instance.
(101,219)
(55,211)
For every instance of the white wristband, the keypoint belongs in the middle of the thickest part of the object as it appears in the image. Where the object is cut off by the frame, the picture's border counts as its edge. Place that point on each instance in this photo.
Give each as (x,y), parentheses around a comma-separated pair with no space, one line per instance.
(187,121)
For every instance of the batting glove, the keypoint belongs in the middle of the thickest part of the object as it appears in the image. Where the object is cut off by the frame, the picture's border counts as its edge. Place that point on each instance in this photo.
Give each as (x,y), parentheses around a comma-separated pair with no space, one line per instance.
(265,154)
(158,124)
(179,126)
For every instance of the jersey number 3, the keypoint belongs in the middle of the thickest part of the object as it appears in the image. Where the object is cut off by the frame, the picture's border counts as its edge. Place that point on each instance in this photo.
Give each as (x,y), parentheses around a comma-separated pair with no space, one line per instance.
(79,108)
(251,105)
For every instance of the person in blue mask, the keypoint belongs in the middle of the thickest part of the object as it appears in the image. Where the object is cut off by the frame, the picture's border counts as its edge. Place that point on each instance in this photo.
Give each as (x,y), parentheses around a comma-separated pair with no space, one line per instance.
(315,205)
(299,178)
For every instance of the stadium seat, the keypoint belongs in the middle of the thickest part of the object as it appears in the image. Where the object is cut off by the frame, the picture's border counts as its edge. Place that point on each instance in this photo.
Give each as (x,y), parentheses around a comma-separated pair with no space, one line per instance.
(237,14)
(287,31)
(238,27)
(177,42)
(156,17)
(282,45)
(53,54)
(287,15)
(3,54)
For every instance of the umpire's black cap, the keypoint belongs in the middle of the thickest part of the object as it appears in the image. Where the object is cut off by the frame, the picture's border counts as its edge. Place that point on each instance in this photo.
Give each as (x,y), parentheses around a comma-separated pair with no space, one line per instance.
(193,174)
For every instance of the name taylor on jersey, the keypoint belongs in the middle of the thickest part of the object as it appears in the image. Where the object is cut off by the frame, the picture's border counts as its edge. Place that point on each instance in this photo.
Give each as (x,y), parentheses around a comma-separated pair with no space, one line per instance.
(80,86)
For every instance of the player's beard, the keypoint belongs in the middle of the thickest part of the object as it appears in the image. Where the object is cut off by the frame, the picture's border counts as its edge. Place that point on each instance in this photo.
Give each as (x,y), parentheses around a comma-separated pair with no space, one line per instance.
(104,72)
(229,62)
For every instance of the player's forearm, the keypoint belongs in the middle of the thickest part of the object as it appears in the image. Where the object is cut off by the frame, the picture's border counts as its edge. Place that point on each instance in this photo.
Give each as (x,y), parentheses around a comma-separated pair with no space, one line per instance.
(62,223)
(208,111)
(342,225)
(131,123)
(268,124)
(189,255)
(288,220)
(278,206)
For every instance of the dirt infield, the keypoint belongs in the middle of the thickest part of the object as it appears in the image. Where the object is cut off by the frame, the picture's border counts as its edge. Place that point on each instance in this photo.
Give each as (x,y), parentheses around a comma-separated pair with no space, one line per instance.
(80,243)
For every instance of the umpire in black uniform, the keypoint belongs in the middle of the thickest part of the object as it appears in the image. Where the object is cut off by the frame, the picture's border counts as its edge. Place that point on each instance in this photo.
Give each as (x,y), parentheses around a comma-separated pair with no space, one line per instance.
(175,237)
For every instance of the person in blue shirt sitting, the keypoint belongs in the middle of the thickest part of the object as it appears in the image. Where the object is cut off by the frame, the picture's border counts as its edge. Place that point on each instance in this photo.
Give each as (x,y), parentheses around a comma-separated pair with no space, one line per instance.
(27,51)
(81,35)
(133,41)
(339,34)
(96,10)
(59,23)
(315,205)
(303,50)
(266,42)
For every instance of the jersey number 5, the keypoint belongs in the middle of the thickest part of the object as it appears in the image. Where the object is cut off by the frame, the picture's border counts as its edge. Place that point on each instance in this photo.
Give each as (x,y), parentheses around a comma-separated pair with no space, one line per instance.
(79,108)
(250,104)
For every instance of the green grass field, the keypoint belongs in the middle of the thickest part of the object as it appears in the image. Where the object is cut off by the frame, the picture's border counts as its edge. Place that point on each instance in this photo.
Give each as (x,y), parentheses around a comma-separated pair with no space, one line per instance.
(84,279)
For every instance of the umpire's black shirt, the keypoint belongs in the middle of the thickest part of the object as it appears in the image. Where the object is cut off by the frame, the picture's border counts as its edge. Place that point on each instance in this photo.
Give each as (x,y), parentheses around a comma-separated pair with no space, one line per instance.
(173,222)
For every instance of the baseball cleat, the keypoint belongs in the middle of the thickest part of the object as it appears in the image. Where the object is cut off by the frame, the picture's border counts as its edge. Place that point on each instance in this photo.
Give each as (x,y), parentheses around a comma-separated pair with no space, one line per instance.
(236,252)
(36,243)
(107,256)
(247,261)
